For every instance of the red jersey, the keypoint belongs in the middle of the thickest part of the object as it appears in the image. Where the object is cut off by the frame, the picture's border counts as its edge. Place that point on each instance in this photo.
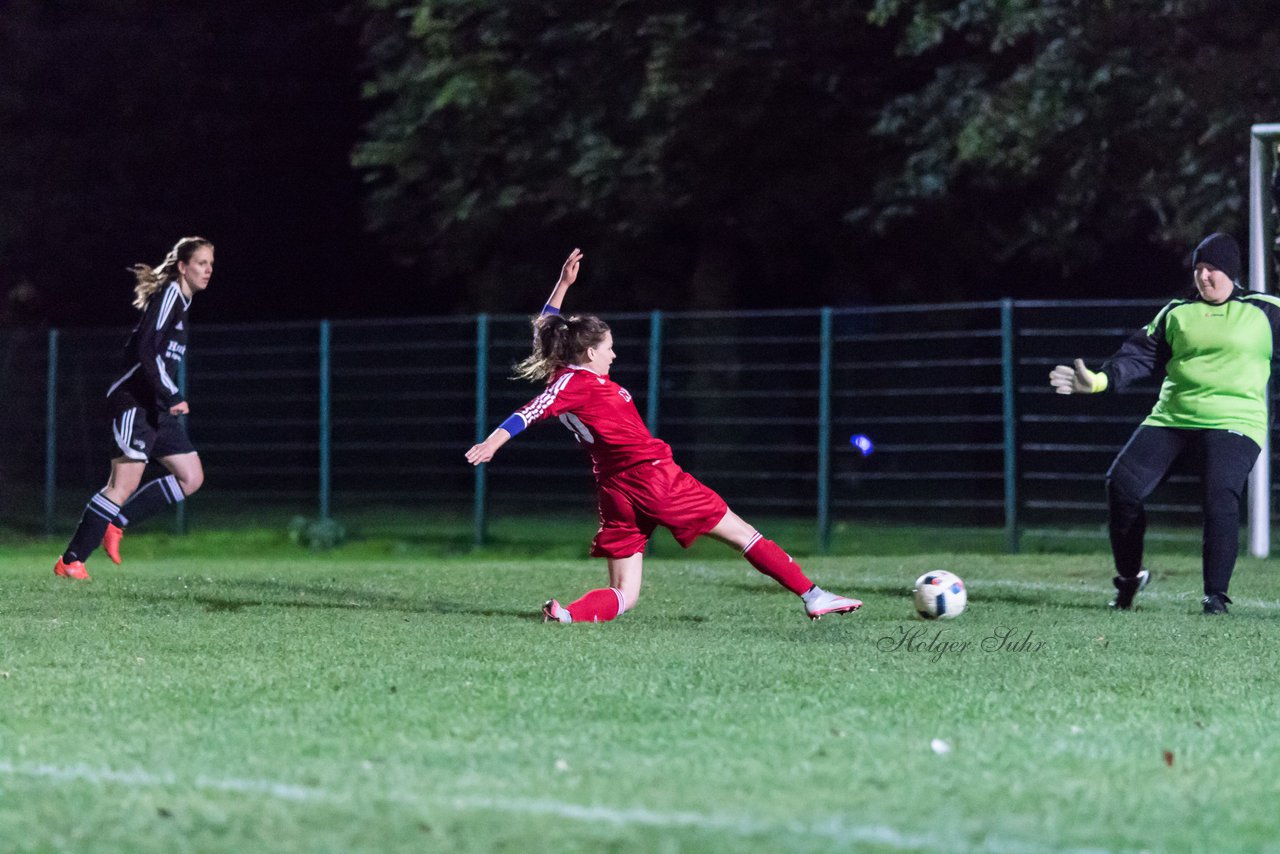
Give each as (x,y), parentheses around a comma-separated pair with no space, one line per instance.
(602,418)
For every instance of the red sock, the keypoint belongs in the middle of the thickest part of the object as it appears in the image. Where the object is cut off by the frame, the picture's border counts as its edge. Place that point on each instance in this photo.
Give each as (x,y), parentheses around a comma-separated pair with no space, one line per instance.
(596,606)
(768,557)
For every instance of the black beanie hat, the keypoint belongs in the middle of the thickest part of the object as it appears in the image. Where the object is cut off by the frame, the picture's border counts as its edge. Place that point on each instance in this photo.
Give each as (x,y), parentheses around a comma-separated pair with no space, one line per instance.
(1220,250)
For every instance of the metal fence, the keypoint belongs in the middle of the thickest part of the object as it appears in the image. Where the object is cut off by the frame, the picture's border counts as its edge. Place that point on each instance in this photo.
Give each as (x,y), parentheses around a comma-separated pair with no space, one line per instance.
(324,417)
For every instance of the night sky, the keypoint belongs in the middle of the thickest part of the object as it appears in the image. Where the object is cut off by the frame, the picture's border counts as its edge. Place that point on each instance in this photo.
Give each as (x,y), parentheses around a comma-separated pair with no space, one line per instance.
(239,129)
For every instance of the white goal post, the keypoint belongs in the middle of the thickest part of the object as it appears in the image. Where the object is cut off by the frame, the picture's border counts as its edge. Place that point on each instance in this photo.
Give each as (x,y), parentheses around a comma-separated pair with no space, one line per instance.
(1261,153)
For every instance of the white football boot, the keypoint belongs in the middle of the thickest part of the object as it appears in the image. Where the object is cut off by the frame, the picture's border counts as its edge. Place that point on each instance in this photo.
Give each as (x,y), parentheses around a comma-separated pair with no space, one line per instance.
(553,611)
(818,603)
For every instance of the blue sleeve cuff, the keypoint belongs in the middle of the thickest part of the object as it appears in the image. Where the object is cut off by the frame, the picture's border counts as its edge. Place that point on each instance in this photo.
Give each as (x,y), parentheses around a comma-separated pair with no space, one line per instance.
(550,309)
(513,425)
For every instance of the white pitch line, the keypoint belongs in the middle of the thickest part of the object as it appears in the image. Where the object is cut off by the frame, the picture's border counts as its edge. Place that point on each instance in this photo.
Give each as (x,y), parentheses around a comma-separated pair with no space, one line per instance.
(834,829)
(152,780)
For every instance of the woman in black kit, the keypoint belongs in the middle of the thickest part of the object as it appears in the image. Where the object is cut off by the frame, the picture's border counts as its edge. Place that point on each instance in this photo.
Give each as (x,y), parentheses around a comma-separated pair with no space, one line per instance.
(147,409)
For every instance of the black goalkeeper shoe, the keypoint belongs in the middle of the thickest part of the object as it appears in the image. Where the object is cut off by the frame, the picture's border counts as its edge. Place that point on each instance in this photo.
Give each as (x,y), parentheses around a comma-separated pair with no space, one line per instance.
(1215,603)
(1127,588)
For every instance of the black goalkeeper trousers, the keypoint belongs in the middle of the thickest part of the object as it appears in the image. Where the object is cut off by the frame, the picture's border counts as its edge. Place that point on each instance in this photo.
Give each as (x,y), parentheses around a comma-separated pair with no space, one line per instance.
(1224,459)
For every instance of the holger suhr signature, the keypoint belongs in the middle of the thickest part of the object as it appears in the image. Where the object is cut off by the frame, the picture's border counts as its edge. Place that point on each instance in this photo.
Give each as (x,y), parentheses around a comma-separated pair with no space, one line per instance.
(936,642)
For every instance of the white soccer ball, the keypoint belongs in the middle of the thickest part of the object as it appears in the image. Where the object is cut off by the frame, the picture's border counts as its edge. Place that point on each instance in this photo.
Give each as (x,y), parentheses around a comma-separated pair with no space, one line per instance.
(940,595)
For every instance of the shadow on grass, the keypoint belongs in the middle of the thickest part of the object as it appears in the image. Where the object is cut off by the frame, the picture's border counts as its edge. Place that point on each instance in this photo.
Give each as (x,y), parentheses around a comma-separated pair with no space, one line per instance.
(369,599)
(319,598)
(277,594)
(886,587)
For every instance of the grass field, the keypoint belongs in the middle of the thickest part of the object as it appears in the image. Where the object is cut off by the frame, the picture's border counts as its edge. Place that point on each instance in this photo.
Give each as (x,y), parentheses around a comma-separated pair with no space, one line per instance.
(231,692)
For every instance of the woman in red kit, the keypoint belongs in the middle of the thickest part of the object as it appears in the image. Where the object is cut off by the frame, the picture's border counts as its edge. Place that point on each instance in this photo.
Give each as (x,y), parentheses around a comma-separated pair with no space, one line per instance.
(638,485)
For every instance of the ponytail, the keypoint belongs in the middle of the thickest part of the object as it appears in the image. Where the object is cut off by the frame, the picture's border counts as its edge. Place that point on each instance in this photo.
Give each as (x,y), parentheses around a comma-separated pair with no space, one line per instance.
(559,342)
(151,280)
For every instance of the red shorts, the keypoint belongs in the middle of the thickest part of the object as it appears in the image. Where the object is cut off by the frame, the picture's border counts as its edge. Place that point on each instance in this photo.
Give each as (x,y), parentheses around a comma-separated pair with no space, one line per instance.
(636,500)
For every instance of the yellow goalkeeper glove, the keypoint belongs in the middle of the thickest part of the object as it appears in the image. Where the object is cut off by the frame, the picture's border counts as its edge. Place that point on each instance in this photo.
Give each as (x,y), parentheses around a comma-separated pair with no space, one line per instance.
(1077,380)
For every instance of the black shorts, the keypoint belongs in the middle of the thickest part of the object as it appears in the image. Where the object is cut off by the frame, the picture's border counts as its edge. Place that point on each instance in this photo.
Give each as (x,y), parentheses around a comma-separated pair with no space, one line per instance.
(146,434)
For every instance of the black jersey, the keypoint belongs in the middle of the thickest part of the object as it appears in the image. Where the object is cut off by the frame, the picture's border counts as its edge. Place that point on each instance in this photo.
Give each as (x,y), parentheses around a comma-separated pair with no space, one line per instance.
(153,354)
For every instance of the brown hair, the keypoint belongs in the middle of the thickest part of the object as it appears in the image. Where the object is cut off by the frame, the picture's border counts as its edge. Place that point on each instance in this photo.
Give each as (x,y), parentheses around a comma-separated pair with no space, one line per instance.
(560,341)
(151,280)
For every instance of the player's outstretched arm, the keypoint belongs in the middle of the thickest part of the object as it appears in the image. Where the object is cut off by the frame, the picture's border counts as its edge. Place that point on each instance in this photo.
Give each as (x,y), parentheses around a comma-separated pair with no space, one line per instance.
(1077,380)
(484,451)
(568,275)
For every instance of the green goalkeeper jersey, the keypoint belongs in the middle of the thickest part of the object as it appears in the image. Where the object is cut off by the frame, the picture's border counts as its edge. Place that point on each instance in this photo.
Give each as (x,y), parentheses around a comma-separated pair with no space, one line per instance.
(1216,360)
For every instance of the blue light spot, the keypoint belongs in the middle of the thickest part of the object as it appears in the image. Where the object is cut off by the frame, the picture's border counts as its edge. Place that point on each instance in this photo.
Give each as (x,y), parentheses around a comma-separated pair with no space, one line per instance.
(862,443)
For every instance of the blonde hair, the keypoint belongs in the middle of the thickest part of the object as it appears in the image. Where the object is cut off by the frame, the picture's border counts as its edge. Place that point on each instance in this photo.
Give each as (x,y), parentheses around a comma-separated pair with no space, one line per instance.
(151,280)
(559,341)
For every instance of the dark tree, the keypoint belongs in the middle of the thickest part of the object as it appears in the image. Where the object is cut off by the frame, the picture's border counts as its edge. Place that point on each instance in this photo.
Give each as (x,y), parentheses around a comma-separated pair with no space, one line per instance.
(792,154)
(1079,138)
(703,153)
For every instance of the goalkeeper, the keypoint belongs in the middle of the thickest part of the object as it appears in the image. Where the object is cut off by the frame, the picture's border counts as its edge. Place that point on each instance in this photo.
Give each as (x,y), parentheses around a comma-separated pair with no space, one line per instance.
(1214,351)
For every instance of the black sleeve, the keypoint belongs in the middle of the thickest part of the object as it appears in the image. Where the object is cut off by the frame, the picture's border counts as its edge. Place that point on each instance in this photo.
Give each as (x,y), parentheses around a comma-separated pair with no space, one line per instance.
(1142,356)
(158,319)
(1272,311)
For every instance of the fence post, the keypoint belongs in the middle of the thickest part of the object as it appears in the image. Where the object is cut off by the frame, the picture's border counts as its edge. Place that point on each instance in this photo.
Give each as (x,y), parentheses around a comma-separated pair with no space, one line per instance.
(652,403)
(824,433)
(1008,390)
(325,423)
(480,513)
(180,517)
(51,435)
(655,371)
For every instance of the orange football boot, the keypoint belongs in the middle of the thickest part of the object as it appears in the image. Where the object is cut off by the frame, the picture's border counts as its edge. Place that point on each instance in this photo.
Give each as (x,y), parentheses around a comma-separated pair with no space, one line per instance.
(75,569)
(111,542)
